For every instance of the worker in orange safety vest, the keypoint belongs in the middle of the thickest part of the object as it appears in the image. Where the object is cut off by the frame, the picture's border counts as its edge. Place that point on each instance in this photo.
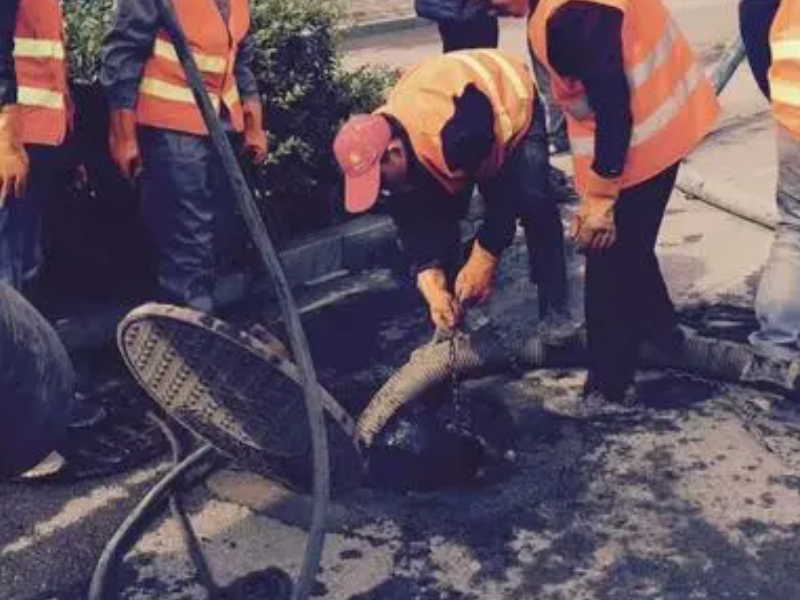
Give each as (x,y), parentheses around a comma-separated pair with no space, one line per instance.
(159,139)
(636,103)
(771,33)
(35,120)
(463,118)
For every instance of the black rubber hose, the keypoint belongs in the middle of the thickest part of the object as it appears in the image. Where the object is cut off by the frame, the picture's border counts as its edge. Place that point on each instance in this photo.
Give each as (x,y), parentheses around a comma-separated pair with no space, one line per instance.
(98,584)
(193,546)
(272,264)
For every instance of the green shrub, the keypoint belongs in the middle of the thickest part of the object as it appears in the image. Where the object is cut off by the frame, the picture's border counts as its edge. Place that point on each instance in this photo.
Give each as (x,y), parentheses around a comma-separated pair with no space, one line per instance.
(306,92)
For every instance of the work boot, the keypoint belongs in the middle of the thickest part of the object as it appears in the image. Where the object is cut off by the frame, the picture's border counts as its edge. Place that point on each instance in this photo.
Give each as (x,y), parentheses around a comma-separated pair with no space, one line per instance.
(593,392)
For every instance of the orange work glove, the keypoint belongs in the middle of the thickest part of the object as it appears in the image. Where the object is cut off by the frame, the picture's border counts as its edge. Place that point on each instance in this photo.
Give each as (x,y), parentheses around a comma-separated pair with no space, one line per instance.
(255,138)
(123,143)
(14,165)
(475,281)
(594,227)
(445,311)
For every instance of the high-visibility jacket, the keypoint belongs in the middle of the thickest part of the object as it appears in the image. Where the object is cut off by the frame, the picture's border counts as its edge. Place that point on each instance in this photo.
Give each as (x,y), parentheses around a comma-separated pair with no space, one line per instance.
(423,101)
(672,102)
(784,74)
(41,70)
(165,98)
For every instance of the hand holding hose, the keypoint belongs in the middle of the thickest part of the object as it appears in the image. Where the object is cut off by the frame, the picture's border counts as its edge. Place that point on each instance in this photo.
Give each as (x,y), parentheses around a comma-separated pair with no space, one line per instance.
(444,308)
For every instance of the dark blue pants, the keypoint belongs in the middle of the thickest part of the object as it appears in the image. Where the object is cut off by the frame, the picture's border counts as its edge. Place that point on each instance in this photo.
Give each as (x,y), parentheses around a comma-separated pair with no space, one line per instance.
(525,177)
(191,213)
(21,218)
(627,301)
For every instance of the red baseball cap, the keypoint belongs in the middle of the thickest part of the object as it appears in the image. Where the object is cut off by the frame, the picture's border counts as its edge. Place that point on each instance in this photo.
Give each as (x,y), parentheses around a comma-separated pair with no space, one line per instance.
(359,147)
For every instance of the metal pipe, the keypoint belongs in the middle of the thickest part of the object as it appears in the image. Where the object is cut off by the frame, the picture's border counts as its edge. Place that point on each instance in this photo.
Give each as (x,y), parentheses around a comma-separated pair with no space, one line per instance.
(732,57)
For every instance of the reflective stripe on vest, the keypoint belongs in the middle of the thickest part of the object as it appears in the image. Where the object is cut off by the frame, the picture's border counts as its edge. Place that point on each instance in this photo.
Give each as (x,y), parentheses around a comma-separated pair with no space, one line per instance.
(33,48)
(784,73)
(652,125)
(637,75)
(42,98)
(41,72)
(785,92)
(169,91)
(672,103)
(205,62)
(424,101)
(165,98)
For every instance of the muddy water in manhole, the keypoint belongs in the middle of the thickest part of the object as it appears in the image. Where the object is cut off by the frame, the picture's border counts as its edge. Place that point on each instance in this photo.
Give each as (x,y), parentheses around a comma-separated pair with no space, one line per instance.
(426,446)
(358,343)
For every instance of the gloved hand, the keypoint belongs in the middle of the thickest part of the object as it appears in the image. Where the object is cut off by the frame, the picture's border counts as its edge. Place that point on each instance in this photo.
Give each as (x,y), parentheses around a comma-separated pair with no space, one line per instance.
(594,227)
(445,310)
(14,166)
(123,143)
(255,138)
(475,281)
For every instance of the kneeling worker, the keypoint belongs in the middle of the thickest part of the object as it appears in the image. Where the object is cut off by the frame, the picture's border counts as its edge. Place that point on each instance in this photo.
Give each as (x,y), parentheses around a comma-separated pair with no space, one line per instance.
(452,121)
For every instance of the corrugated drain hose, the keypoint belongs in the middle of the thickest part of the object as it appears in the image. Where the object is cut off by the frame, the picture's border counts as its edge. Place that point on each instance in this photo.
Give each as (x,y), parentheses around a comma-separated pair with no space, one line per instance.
(479,355)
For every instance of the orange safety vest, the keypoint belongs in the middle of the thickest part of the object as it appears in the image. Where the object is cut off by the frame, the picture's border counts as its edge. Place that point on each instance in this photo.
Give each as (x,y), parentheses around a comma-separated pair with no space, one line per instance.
(784,74)
(41,70)
(672,102)
(423,102)
(165,98)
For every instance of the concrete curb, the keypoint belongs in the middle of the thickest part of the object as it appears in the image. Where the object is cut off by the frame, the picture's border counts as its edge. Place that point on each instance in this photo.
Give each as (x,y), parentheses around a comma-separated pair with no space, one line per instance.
(384,26)
(722,196)
(363,243)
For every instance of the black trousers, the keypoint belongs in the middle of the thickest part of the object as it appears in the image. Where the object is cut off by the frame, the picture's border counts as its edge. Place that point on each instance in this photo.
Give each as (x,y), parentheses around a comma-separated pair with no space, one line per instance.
(627,301)
(477,33)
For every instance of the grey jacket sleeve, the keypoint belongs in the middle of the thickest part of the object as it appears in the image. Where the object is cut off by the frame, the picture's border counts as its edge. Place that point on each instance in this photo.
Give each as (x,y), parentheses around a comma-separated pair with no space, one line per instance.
(126,50)
(245,79)
(8,79)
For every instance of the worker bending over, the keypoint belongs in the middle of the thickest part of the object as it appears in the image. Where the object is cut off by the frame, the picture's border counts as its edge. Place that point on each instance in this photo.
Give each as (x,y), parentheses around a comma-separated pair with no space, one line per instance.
(452,121)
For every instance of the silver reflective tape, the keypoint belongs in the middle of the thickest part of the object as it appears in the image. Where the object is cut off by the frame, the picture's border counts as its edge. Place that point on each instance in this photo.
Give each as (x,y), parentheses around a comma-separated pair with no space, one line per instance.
(657,121)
